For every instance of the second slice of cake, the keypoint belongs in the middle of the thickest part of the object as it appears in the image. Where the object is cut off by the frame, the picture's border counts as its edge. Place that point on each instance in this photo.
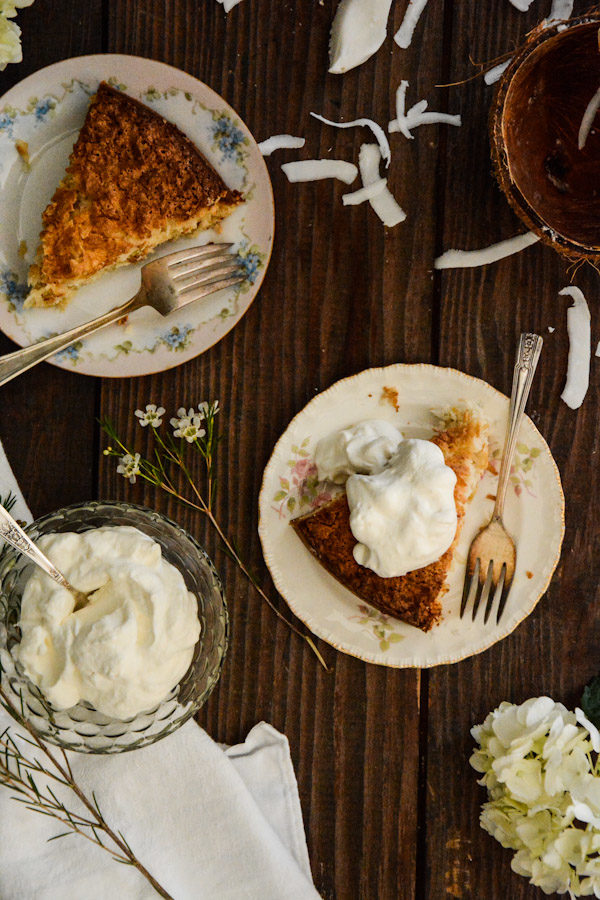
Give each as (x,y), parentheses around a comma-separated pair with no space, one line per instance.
(134,181)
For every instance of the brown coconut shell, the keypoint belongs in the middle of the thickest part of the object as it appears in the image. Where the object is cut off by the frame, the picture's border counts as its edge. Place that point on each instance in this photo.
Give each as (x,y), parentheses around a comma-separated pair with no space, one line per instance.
(534,126)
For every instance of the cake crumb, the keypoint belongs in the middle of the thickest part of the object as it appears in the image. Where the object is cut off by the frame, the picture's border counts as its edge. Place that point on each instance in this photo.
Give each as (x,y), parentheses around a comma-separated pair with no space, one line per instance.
(529,574)
(390,395)
(22,148)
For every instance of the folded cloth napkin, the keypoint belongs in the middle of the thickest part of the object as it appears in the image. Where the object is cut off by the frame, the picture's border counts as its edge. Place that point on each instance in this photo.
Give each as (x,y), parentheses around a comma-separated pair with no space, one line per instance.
(208,823)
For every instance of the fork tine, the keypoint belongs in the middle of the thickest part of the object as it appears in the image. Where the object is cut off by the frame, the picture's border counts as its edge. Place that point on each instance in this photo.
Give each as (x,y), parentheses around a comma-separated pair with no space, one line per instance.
(212,267)
(195,253)
(483,590)
(211,277)
(498,587)
(503,599)
(469,582)
(212,287)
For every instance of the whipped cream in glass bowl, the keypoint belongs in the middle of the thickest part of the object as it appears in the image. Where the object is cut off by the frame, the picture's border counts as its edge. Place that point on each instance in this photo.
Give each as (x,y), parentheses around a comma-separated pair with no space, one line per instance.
(141,658)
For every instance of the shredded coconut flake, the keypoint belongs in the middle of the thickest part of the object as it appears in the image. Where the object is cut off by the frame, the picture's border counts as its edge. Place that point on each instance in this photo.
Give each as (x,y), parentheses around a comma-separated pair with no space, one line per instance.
(588,119)
(551,329)
(578,367)
(521,5)
(404,35)
(317,169)
(228,4)
(597,353)
(560,11)
(365,193)
(280,142)
(416,115)
(358,31)
(377,130)
(466,259)
(384,204)
(494,75)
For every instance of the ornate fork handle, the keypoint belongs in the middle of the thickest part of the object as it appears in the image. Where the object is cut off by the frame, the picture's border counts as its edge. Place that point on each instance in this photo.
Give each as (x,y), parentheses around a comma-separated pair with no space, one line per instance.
(530,347)
(12,364)
(14,535)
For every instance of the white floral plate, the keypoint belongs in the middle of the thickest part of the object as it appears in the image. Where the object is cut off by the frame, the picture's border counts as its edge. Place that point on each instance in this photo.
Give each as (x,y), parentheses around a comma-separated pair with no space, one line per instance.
(534,516)
(46,111)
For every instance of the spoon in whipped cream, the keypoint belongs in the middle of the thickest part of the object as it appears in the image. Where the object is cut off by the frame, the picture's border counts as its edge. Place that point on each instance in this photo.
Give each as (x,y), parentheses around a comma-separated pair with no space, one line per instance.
(13,534)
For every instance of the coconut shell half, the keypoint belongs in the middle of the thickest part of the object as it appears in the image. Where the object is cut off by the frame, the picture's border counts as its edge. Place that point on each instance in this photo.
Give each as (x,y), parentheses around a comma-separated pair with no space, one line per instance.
(534,124)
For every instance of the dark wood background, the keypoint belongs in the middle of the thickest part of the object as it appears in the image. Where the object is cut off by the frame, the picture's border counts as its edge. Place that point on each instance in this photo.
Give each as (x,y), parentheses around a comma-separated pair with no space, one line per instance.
(389,800)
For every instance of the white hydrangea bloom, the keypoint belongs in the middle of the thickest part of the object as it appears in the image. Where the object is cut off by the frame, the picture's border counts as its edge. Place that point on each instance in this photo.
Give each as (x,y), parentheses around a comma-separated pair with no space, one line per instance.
(10,33)
(536,761)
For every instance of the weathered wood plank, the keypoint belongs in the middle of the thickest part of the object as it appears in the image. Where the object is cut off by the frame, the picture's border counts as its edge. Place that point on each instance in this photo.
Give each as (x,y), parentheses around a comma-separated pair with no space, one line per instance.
(483,312)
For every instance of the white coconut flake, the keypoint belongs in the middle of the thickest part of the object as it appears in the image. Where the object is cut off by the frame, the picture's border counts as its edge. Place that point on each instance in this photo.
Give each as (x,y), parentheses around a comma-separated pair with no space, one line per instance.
(280,142)
(560,11)
(521,5)
(384,204)
(404,35)
(318,169)
(588,119)
(365,193)
(551,329)
(377,130)
(597,353)
(494,75)
(358,31)
(228,4)
(578,367)
(466,259)
(416,115)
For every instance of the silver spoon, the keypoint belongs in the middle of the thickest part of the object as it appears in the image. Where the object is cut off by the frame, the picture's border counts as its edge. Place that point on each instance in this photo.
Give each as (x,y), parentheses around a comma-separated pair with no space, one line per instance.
(13,534)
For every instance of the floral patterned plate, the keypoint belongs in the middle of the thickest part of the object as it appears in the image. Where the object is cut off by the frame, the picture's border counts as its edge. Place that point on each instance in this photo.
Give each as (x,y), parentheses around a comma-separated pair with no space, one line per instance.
(41,117)
(407,395)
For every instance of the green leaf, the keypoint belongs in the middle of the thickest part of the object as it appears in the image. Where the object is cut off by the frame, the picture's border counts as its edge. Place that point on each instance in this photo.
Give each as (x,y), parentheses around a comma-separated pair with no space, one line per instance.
(280,495)
(534,452)
(522,448)
(394,638)
(384,645)
(291,504)
(284,484)
(590,701)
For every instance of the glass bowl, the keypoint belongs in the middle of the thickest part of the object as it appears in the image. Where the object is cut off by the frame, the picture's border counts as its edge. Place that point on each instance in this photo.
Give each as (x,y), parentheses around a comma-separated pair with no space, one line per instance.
(82,727)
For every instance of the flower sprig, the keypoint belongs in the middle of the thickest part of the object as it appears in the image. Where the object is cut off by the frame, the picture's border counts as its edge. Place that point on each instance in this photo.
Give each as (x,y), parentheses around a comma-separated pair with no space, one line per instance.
(192,431)
(32,777)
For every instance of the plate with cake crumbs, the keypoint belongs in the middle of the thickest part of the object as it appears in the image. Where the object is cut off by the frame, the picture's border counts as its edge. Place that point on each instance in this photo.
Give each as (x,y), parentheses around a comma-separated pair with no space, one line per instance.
(410,620)
(158,162)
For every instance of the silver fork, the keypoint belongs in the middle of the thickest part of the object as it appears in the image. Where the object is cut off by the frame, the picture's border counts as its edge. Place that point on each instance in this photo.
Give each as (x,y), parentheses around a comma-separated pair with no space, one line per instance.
(492,555)
(168,283)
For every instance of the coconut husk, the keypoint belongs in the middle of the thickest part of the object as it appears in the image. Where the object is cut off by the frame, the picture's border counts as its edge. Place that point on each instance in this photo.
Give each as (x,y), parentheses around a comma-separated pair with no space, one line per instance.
(540,100)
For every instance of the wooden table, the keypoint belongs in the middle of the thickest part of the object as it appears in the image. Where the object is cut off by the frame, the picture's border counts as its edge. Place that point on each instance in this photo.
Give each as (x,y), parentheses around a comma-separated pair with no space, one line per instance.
(389,800)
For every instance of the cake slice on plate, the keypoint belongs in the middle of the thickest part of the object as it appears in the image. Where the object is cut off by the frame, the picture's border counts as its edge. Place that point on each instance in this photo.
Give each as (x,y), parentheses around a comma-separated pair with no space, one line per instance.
(416,597)
(134,181)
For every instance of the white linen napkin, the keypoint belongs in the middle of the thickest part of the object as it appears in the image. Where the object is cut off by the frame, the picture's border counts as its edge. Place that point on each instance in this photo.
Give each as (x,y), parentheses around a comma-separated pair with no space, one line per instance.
(208,823)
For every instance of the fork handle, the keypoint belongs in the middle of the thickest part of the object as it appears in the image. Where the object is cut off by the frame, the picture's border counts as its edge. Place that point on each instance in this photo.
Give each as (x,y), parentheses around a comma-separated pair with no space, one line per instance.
(530,347)
(13,534)
(12,364)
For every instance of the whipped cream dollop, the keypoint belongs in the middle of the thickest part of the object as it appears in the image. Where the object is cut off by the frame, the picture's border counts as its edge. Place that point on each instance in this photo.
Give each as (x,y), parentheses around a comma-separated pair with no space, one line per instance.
(130,645)
(365,447)
(403,516)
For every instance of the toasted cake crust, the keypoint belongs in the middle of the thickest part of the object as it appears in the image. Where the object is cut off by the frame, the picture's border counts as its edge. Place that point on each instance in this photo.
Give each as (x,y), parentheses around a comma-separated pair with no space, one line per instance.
(134,180)
(415,597)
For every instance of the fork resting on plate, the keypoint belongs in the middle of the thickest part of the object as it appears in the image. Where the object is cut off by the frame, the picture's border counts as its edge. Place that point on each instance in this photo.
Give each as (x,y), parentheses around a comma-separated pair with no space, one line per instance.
(492,555)
(168,284)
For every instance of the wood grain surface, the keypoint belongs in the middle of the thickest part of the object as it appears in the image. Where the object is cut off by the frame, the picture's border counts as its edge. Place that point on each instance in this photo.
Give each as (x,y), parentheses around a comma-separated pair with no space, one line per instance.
(390,803)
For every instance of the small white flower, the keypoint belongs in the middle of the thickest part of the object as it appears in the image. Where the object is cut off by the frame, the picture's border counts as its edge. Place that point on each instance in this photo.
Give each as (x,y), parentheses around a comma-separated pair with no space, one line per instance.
(151,415)
(188,425)
(204,408)
(129,466)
